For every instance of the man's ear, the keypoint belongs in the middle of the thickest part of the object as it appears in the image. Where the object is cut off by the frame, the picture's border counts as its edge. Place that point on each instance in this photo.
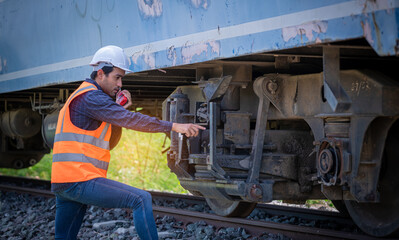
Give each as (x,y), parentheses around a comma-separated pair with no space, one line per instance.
(100,73)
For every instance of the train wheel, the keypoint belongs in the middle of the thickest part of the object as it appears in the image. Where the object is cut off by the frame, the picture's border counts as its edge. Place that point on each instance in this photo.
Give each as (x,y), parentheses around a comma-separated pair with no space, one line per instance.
(230,208)
(340,206)
(18,161)
(382,219)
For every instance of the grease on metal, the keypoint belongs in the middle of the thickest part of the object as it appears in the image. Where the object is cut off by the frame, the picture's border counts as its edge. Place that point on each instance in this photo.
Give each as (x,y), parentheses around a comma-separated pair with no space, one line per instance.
(377,33)
(307,29)
(152,9)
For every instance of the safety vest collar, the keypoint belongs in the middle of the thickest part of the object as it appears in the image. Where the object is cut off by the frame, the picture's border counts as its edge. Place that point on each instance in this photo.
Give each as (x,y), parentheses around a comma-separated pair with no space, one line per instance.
(77,92)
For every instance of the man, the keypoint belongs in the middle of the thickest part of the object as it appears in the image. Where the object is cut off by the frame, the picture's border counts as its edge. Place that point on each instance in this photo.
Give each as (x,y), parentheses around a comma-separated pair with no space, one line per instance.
(81,150)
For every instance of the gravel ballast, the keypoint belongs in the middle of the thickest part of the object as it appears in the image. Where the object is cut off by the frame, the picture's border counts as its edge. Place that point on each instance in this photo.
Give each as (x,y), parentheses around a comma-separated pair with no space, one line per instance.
(31,217)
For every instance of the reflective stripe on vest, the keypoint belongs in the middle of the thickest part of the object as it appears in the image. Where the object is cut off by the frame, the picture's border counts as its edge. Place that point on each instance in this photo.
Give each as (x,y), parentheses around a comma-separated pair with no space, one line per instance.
(82,138)
(78,154)
(76,157)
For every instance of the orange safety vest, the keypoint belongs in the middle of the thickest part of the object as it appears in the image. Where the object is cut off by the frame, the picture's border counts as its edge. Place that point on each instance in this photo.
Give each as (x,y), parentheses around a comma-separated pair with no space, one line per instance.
(78,154)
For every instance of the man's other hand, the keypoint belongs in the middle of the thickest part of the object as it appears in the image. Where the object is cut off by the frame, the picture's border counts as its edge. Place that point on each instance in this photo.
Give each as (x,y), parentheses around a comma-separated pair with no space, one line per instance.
(189,129)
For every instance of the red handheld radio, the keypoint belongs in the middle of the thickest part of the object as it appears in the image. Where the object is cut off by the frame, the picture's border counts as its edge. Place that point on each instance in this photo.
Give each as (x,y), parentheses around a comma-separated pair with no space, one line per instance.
(121,98)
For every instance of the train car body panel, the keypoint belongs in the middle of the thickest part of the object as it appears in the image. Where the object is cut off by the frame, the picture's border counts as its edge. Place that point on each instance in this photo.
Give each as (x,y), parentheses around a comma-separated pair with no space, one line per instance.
(50,42)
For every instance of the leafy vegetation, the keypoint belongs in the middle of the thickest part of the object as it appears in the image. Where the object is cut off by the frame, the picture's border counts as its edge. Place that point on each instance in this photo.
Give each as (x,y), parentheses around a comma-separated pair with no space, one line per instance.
(137,161)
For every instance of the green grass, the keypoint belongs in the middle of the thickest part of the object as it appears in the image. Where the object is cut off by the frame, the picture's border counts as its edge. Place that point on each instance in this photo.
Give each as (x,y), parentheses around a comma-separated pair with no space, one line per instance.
(137,161)
(321,203)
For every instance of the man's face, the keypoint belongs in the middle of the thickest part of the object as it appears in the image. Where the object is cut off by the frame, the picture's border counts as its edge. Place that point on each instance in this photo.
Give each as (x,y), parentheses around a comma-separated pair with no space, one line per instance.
(112,83)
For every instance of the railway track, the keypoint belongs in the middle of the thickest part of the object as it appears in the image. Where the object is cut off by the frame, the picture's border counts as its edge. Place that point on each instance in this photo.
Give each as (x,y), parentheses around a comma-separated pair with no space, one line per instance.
(252,227)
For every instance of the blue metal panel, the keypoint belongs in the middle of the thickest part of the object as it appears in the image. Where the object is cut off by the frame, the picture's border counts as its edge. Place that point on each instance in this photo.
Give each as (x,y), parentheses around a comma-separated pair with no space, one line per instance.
(51,41)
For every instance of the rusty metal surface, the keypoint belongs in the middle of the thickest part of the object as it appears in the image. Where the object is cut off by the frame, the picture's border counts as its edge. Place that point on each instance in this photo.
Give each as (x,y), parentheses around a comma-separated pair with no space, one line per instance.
(181,33)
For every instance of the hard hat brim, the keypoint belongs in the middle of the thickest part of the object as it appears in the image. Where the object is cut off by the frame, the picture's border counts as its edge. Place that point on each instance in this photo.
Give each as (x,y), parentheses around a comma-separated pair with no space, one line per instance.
(125,69)
(112,55)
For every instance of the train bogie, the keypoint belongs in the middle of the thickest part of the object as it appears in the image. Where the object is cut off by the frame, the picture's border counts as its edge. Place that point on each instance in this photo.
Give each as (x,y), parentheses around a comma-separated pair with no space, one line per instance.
(288,137)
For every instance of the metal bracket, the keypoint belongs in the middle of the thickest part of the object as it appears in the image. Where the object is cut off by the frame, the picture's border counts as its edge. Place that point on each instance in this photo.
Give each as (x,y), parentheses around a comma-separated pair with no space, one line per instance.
(213,166)
(333,91)
(213,90)
(215,87)
(260,130)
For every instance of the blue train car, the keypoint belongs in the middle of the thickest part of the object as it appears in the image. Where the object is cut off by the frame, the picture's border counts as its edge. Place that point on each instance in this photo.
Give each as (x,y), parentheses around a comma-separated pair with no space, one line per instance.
(299,97)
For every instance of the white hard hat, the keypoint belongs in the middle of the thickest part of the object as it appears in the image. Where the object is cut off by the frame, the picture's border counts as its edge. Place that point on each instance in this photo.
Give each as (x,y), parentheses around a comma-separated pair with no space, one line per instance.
(110,56)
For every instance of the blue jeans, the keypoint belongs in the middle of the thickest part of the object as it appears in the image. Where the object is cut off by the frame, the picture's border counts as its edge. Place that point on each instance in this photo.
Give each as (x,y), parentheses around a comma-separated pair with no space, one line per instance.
(72,203)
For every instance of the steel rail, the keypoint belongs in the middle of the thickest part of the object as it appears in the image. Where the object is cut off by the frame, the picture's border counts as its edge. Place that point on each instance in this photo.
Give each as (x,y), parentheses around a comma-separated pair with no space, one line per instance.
(257,228)
(271,209)
(253,227)
(27,190)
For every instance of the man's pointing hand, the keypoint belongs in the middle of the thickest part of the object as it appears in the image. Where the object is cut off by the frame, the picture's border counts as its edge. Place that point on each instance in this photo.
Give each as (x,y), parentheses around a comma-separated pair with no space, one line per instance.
(189,129)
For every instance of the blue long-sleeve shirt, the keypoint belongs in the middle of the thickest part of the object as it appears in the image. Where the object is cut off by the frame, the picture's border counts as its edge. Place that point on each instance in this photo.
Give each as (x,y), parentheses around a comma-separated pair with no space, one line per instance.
(90,109)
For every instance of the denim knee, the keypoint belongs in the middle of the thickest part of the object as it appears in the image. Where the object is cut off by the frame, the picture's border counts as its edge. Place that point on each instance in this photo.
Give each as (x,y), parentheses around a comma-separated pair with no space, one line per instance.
(146,197)
(140,199)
